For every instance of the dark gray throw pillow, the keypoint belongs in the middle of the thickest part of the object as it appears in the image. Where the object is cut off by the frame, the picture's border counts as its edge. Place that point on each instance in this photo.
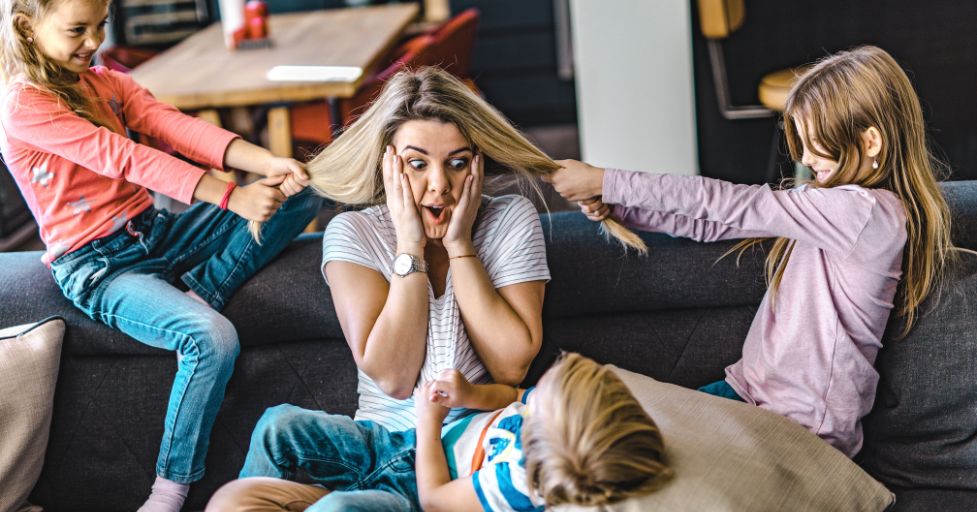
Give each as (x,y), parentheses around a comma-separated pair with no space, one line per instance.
(922,432)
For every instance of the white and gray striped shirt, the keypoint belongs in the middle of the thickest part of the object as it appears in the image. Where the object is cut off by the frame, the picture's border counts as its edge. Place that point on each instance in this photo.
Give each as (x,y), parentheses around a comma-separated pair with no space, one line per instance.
(508,239)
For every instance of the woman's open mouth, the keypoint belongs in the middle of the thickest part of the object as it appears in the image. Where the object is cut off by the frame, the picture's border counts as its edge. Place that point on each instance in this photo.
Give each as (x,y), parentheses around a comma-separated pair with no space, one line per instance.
(438,213)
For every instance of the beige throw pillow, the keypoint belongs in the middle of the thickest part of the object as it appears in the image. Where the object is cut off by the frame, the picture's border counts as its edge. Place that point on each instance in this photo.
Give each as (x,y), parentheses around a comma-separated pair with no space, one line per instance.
(732,456)
(29,359)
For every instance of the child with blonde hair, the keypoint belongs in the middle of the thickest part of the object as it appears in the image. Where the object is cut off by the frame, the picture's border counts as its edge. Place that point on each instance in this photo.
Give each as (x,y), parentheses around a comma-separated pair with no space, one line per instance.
(869,234)
(579,437)
(159,277)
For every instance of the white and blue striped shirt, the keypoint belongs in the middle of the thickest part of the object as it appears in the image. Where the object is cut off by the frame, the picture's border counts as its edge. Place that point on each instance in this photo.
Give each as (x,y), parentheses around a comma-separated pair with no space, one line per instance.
(508,239)
(495,460)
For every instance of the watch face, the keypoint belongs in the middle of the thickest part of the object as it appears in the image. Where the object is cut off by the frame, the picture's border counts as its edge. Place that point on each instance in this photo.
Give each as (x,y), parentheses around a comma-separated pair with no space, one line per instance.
(403,264)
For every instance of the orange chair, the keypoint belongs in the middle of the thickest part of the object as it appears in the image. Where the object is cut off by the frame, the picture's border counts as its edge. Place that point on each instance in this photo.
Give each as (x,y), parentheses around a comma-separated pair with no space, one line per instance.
(449,46)
(718,19)
(311,123)
(454,42)
(124,58)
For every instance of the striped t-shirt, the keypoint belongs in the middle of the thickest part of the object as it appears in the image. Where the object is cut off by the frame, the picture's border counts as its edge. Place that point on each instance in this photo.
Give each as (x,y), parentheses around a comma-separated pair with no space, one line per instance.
(488,447)
(508,239)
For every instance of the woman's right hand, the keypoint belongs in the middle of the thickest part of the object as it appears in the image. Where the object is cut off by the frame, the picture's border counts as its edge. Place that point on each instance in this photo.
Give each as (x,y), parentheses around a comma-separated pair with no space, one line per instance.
(259,200)
(400,202)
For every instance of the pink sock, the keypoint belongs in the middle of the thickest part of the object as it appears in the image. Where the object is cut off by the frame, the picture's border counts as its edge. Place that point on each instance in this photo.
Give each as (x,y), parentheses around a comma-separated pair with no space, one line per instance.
(167,496)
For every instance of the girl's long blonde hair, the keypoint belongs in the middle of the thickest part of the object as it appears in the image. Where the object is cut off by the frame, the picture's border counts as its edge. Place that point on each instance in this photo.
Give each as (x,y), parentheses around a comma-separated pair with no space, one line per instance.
(842,96)
(348,170)
(587,440)
(20,57)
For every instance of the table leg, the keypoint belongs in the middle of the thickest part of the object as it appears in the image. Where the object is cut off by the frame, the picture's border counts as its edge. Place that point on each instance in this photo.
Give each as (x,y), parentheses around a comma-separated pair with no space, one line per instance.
(211,116)
(335,117)
(280,140)
(279,131)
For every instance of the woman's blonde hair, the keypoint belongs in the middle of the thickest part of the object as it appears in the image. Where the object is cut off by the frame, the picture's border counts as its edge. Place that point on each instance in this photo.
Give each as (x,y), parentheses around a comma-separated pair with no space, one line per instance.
(587,441)
(840,98)
(20,57)
(348,170)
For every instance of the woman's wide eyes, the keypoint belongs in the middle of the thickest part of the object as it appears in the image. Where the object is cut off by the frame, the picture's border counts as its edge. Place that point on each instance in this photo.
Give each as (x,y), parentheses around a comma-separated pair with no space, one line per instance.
(454,163)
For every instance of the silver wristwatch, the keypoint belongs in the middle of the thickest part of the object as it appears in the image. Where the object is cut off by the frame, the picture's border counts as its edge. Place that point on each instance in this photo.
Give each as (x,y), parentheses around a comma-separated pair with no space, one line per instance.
(406,264)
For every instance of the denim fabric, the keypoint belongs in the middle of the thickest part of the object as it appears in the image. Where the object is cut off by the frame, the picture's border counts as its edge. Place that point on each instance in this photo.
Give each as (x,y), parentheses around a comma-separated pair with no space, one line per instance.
(126,280)
(722,389)
(367,466)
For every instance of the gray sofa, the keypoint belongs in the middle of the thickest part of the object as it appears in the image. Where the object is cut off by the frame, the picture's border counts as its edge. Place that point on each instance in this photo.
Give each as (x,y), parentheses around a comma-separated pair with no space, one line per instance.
(675,315)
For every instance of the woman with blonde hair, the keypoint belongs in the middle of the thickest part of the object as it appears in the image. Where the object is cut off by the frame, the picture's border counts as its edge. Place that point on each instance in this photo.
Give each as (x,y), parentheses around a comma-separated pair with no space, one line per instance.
(432,275)
(869,234)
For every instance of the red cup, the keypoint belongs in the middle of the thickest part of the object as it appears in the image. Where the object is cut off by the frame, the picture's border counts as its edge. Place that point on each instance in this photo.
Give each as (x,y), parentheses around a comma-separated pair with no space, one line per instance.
(257,28)
(255,9)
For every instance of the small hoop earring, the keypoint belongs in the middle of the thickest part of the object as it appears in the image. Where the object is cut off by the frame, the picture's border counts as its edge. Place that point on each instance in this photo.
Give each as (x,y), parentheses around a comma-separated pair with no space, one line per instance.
(875,164)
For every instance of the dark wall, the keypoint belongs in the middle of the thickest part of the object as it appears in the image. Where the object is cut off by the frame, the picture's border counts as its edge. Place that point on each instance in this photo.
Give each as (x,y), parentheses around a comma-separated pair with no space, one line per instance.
(515,61)
(936,42)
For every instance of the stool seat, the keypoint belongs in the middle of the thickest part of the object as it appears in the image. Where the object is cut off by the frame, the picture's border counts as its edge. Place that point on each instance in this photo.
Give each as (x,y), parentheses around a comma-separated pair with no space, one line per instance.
(774,87)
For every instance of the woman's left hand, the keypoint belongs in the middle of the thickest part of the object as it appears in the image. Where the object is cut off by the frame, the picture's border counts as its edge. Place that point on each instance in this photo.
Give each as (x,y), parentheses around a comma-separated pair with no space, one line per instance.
(458,239)
(296,177)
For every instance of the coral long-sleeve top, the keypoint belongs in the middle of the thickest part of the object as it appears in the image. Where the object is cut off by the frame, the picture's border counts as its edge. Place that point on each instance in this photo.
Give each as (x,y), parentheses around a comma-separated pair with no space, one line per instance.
(83,182)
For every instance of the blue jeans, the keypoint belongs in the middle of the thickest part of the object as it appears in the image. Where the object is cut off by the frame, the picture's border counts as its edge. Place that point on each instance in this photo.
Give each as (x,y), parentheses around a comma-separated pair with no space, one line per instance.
(126,280)
(367,467)
(721,388)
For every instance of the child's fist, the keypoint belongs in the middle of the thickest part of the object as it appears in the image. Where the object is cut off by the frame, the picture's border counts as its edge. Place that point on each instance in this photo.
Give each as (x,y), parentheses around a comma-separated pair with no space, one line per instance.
(451,389)
(427,409)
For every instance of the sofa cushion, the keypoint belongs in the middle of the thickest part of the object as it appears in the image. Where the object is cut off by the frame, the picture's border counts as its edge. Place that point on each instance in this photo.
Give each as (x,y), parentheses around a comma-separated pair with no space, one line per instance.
(922,431)
(29,360)
(594,277)
(731,456)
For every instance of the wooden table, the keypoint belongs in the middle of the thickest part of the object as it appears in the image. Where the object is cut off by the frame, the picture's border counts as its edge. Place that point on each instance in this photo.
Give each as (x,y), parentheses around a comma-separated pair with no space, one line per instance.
(201,74)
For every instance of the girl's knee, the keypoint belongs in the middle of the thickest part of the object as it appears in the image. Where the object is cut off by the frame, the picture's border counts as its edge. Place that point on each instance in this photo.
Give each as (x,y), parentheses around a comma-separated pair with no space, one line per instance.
(214,338)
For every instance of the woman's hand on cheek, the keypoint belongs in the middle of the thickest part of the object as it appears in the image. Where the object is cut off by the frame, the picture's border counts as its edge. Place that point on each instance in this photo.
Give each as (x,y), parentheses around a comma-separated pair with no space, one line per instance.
(400,201)
(576,180)
(458,239)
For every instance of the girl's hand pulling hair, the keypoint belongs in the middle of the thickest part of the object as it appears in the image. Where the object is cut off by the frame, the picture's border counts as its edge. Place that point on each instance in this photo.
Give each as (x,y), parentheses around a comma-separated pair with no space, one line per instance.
(259,200)
(577,181)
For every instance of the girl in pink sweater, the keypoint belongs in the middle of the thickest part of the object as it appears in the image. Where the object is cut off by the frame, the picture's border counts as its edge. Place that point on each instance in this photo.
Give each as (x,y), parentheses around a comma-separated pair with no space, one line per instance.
(870,232)
(113,254)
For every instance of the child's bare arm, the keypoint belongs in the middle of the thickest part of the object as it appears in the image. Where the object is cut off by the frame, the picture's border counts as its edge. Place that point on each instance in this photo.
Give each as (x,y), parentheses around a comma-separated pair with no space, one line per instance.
(435,488)
(451,389)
